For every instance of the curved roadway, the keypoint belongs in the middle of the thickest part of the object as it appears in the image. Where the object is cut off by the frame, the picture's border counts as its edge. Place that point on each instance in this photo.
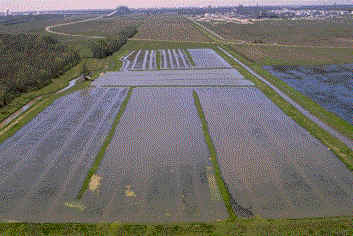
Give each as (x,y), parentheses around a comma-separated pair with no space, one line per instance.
(50,28)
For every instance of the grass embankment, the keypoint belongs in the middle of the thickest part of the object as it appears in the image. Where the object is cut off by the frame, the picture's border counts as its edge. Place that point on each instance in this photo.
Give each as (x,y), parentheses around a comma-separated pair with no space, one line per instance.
(255,226)
(329,118)
(344,153)
(105,145)
(213,154)
(158,59)
(187,53)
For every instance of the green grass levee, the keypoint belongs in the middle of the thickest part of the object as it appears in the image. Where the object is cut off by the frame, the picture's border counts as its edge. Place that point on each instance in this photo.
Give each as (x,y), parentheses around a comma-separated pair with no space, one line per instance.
(213,154)
(158,59)
(187,53)
(105,145)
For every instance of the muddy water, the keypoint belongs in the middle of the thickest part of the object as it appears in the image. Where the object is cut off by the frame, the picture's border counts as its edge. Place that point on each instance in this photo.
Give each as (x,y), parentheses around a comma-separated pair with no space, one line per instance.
(330,86)
(44,164)
(273,167)
(156,168)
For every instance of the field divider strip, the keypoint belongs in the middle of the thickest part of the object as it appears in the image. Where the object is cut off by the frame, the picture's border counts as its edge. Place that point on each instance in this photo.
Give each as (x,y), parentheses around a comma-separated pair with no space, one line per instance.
(213,154)
(104,147)
(158,59)
(188,55)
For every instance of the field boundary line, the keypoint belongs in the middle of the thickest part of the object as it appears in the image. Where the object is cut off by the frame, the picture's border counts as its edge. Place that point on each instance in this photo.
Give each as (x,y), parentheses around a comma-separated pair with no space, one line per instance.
(227,197)
(205,28)
(108,139)
(171,41)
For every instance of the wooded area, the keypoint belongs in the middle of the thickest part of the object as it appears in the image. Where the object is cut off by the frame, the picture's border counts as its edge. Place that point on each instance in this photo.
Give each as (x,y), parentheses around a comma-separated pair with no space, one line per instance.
(106,47)
(30,61)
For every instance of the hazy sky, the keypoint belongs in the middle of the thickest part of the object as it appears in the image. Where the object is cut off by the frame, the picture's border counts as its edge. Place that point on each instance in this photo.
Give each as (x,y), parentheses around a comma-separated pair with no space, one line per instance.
(24,5)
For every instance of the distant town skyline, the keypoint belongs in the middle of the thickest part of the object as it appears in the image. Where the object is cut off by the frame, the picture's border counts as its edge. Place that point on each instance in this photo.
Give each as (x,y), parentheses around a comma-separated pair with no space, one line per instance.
(39,5)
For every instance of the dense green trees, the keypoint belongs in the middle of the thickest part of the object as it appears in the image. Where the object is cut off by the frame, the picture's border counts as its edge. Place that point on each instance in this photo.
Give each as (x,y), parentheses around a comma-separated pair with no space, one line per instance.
(30,61)
(106,47)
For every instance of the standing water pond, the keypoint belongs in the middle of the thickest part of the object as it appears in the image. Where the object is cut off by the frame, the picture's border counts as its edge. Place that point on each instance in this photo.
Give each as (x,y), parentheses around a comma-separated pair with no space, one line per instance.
(330,86)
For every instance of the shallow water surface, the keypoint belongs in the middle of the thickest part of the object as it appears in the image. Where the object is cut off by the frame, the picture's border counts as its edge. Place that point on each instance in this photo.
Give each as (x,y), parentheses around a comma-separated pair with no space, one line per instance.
(330,86)
(157,167)
(43,165)
(272,166)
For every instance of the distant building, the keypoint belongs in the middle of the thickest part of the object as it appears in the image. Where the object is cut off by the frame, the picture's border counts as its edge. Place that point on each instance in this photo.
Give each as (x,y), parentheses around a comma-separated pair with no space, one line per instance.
(7,12)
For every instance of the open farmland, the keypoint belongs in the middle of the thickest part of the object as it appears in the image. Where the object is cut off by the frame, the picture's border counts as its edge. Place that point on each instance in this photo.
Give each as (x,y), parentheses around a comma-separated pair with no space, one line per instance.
(272,166)
(102,27)
(332,33)
(44,164)
(156,168)
(170,27)
(279,55)
(330,86)
(35,23)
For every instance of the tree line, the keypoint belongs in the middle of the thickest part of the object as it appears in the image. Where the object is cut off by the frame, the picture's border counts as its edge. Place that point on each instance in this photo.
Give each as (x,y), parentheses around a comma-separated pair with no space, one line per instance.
(31,61)
(106,47)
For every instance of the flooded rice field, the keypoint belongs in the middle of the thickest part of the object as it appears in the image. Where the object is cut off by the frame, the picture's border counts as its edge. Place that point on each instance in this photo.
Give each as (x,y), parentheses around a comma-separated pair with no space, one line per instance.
(173,59)
(212,77)
(140,60)
(330,86)
(157,167)
(43,165)
(207,58)
(273,167)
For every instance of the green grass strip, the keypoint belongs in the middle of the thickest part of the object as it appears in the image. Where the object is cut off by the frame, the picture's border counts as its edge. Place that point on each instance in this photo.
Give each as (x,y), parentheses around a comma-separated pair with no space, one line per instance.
(344,153)
(158,59)
(213,154)
(254,226)
(104,147)
(187,53)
